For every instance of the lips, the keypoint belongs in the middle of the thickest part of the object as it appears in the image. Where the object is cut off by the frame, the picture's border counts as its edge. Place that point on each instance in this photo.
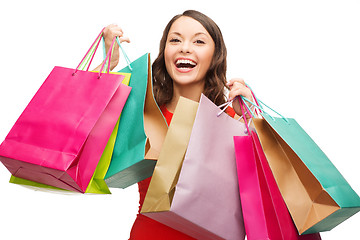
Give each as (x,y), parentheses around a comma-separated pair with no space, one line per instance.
(185,64)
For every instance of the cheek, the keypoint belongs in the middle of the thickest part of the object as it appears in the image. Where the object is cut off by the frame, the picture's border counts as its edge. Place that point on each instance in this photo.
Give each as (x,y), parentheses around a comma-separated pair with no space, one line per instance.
(168,55)
(207,57)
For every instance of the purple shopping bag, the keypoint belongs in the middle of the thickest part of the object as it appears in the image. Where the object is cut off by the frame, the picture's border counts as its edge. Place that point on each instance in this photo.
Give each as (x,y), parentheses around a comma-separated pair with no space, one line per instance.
(205,203)
(60,136)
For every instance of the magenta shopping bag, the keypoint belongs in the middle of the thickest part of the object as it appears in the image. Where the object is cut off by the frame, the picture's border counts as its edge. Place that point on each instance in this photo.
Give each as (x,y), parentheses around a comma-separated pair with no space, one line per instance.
(265,213)
(264,210)
(206,201)
(60,136)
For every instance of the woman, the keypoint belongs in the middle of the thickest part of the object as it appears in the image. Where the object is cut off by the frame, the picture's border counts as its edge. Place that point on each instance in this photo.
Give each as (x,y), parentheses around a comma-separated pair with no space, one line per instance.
(191,61)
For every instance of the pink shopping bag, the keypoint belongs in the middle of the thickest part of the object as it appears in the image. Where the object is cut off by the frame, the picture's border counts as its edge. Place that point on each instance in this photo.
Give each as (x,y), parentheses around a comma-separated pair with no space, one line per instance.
(265,213)
(205,204)
(60,136)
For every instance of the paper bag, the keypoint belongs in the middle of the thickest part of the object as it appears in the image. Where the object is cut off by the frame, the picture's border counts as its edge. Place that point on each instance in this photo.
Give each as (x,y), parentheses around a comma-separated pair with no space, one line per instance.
(60,136)
(316,194)
(200,197)
(142,129)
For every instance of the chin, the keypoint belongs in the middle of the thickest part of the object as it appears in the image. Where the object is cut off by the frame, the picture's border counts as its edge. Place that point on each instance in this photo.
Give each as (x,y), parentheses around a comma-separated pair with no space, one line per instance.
(186,80)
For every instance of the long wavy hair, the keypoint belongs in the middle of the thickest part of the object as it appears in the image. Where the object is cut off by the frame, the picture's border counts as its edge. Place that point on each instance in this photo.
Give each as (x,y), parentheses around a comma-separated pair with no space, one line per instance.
(215,79)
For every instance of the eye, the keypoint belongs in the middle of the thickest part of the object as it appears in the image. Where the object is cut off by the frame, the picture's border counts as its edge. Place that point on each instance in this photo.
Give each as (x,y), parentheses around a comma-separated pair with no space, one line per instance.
(174,40)
(199,41)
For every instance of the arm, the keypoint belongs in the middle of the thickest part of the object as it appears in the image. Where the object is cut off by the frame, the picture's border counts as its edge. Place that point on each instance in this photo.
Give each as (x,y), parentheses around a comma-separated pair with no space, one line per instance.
(109,33)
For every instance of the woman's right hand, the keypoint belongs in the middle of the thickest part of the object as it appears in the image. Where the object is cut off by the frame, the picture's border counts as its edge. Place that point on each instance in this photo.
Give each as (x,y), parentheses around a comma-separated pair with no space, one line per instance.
(109,33)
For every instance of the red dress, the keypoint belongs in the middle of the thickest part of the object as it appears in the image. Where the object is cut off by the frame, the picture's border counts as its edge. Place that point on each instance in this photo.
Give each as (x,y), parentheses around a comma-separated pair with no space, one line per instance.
(145,228)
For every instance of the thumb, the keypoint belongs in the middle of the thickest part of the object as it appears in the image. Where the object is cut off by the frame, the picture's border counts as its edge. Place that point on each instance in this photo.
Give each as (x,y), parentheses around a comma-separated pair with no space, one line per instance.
(124,39)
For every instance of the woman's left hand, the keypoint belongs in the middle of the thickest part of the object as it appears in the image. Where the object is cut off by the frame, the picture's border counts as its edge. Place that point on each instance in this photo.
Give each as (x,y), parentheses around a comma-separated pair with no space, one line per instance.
(238,88)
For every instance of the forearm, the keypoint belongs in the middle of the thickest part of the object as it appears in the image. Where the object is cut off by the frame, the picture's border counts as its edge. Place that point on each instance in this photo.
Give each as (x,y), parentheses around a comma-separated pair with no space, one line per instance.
(113,64)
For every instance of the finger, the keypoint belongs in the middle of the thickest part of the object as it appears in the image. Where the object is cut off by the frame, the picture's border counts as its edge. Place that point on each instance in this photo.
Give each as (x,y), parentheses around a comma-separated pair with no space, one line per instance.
(236,80)
(124,39)
(114,26)
(112,30)
(240,91)
(235,93)
(235,85)
(114,33)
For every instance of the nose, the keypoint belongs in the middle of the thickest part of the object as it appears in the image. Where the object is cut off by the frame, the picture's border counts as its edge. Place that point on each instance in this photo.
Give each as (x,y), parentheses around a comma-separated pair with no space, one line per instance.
(186,47)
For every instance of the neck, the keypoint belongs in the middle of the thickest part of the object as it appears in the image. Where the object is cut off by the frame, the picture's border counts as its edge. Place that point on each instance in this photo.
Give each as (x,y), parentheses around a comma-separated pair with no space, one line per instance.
(191,91)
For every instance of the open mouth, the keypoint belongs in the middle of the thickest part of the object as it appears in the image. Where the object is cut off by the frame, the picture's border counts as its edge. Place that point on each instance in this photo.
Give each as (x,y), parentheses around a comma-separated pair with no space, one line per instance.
(185,63)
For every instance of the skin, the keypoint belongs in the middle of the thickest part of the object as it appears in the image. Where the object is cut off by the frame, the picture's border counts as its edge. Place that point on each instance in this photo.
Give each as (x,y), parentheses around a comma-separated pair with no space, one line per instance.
(109,33)
(187,39)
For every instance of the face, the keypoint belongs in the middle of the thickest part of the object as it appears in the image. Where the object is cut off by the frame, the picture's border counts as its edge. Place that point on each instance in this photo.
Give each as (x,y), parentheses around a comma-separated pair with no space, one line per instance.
(188,51)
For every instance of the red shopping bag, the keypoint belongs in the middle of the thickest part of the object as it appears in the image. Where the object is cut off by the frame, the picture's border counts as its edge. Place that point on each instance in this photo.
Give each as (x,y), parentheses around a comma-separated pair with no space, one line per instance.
(60,136)
(264,210)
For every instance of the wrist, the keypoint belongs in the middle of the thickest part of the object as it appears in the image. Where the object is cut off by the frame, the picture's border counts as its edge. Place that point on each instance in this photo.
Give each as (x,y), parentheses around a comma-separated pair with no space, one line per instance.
(113,64)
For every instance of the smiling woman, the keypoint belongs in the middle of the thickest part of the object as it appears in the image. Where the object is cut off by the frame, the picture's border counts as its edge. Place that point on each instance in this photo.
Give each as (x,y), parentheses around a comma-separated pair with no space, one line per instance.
(188,54)
(191,61)
(302,57)
(196,40)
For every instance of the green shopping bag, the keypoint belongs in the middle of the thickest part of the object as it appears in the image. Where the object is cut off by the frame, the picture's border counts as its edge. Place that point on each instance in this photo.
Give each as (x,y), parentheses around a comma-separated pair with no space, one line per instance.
(141,132)
(317,195)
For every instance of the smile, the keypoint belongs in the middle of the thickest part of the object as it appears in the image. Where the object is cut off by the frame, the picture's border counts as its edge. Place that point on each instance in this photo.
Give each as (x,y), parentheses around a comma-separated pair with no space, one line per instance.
(185,63)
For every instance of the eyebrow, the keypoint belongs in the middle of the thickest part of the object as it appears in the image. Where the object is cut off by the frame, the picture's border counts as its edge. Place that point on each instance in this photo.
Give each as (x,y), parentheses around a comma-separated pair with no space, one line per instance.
(196,34)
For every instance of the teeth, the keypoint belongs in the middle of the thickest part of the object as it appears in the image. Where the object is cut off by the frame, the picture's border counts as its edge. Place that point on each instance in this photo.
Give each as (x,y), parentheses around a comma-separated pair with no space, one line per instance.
(185,61)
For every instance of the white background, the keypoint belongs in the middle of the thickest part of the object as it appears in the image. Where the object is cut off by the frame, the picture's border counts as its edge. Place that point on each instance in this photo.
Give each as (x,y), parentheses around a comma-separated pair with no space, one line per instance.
(302,58)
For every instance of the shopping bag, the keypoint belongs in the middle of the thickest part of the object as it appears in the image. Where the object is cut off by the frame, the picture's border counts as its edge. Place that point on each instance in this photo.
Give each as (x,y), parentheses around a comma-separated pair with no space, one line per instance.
(163,182)
(316,194)
(97,183)
(264,210)
(60,136)
(142,129)
(203,201)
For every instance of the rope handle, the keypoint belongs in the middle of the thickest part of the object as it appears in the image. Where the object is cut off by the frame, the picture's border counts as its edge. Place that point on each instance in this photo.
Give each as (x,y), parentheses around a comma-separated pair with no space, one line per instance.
(127,59)
(89,56)
(259,105)
(243,112)
(108,57)
(90,52)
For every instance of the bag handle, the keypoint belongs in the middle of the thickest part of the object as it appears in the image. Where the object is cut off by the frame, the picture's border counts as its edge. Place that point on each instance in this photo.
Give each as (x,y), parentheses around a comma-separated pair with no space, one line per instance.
(258,104)
(91,50)
(124,53)
(227,104)
(243,112)
(107,58)
(127,59)
(87,59)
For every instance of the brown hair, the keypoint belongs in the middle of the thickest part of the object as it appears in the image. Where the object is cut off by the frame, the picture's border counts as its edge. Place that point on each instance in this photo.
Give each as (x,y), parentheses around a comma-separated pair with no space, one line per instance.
(216,74)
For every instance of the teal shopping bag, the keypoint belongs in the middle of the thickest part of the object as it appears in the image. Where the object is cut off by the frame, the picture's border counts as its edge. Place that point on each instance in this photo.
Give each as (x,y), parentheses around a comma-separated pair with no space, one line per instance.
(141,132)
(317,195)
